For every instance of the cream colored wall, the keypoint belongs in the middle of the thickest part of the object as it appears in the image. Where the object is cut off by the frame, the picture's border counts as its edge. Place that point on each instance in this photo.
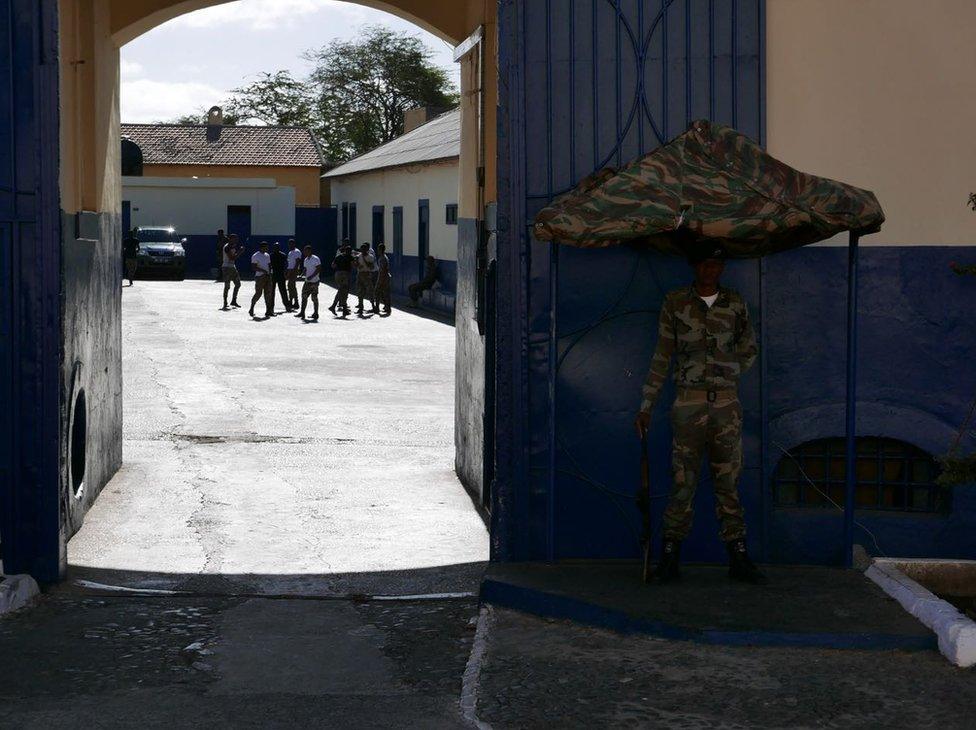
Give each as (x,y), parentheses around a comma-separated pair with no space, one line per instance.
(881,94)
(404,186)
(479,144)
(90,148)
(305,180)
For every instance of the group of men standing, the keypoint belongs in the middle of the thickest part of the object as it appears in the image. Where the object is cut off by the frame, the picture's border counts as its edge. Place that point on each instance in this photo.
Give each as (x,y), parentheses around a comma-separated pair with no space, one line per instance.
(276,270)
(373,275)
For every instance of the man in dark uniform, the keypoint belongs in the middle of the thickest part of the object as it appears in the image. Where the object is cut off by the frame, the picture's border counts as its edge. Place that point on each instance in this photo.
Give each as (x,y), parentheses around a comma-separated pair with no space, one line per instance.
(342,266)
(130,254)
(221,242)
(279,269)
(418,288)
(704,328)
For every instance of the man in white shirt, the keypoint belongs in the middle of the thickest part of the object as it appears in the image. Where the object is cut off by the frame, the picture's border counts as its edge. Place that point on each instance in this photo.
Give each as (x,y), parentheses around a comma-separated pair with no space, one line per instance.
(261,263)
(294,263)
(313,272)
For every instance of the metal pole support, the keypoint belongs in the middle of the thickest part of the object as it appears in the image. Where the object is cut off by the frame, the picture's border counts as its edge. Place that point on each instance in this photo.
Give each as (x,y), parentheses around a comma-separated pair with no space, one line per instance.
(850,476)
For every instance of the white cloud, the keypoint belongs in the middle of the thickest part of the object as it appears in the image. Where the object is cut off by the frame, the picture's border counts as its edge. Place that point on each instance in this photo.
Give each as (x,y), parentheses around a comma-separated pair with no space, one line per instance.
(145,100)
(266,14)
(131,69)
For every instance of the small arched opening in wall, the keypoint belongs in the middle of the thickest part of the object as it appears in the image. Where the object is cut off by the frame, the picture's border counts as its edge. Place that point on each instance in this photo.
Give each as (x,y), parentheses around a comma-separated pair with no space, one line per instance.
(892,476)
(78,443)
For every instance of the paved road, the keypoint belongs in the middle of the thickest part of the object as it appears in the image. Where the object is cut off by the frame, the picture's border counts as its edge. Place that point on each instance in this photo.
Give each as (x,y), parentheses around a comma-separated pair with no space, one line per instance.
(275,472)
(541,673)
(279,456)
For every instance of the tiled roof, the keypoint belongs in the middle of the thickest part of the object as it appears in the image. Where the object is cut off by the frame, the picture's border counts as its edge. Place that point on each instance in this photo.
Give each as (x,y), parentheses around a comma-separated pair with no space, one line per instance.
(174,144)
(438,139)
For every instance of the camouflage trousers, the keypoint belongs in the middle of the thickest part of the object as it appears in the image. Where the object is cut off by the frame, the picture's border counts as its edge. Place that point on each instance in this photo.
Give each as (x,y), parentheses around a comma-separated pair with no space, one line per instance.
(365,285)
(713,429)
(381,295)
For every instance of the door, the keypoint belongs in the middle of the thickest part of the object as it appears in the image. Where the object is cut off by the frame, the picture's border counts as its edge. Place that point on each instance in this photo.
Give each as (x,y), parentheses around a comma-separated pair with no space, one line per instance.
(126,216)
(239,222)
(345,222)
(30,291)
(423,234)
(398,283)
(353,238)
(378,229)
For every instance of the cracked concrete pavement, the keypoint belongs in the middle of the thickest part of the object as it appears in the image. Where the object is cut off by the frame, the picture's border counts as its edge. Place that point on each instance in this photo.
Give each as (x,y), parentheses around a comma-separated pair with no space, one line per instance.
(278,476)
(281,452)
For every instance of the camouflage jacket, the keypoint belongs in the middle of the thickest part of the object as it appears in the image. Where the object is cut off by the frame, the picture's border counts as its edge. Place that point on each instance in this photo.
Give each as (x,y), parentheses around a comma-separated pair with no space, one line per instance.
(711,346)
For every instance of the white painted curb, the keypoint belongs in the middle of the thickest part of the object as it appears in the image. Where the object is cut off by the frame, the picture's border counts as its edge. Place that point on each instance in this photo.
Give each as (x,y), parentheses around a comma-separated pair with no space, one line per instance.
(16,592)
(956,632)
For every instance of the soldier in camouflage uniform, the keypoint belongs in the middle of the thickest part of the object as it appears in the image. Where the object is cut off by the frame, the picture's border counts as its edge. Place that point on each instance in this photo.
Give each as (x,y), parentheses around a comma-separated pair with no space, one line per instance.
(382,294)
(704,328)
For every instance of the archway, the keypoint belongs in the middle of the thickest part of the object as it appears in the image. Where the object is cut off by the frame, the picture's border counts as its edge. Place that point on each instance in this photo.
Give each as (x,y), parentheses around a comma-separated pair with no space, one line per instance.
(75,136)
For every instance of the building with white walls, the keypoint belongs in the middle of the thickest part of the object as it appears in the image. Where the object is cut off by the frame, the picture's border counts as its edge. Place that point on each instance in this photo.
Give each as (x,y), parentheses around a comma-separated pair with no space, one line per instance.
(198,207)
(405,194)
(260,182)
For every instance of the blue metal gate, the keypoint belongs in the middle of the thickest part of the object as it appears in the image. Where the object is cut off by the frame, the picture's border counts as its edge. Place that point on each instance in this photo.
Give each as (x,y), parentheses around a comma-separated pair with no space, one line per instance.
(30,289)
(585,84)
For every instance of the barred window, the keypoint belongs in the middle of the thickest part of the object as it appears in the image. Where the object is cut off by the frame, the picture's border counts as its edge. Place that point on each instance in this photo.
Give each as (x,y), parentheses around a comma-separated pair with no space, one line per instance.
(890,474)
(451,214)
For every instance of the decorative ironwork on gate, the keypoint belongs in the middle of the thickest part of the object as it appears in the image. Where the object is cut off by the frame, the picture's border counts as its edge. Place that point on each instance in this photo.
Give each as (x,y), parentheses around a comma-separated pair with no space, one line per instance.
(596,83)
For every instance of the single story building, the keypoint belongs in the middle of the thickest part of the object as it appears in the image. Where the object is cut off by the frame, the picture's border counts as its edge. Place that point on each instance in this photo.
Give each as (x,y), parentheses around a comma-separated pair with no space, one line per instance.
(405,194)
(260,182)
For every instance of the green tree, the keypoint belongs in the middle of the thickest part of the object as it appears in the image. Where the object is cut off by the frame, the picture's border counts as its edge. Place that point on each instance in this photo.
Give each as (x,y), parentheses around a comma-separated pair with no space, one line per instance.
(274,98)
(361,89)
(200,117)
(355,96)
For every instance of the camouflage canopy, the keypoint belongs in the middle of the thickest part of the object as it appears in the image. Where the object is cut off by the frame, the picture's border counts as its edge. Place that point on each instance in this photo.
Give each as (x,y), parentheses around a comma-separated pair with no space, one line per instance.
(709,184)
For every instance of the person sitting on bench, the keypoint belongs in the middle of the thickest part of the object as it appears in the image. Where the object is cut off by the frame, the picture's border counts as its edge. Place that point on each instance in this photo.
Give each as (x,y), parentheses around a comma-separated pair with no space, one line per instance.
(430,278)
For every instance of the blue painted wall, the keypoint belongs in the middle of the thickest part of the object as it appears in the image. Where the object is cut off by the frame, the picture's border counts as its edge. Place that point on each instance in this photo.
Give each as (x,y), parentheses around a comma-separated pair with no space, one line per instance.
(915,383)
(316,226)
(32,538)
(599,84)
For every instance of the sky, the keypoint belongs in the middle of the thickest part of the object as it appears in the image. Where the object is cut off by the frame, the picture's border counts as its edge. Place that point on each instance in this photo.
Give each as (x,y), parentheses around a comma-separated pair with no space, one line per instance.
(192,62)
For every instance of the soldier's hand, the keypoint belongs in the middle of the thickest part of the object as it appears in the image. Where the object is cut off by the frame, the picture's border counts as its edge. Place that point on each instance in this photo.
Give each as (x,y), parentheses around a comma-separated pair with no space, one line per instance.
(642,422)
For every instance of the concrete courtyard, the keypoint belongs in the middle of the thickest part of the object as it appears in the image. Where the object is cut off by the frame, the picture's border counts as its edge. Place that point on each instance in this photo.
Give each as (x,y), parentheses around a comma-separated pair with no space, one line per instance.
(282,456)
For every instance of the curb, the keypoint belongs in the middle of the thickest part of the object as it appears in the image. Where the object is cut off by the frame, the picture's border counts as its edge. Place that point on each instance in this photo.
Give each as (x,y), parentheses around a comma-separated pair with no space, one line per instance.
(553,605)
(956,633)
(17,592)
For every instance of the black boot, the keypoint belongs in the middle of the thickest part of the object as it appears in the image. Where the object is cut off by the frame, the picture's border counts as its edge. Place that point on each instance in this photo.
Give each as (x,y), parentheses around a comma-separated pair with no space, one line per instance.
(741,568)
(667,570)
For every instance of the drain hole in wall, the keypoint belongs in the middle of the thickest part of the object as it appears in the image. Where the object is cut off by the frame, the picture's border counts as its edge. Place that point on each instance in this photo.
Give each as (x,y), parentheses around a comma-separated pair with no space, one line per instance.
(79,443)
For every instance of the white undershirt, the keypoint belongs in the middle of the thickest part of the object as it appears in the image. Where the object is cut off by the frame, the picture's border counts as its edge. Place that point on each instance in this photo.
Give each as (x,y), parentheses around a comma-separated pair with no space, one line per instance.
(261,263)
(311,264)
(709,300)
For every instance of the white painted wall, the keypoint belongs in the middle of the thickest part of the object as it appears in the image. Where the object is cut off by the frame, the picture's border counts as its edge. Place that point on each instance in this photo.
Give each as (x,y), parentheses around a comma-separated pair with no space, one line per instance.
(199,206)
(403,186)
(880,94)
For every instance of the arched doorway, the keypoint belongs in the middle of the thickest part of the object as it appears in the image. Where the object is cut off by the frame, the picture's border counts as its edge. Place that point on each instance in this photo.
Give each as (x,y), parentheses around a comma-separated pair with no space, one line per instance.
(63,207)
